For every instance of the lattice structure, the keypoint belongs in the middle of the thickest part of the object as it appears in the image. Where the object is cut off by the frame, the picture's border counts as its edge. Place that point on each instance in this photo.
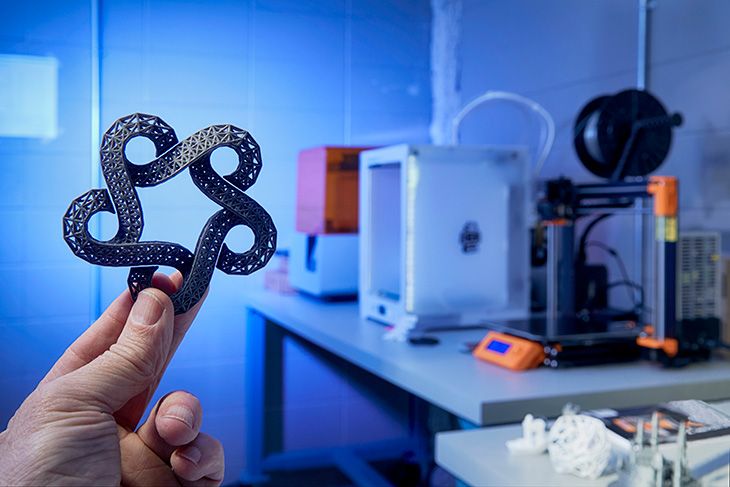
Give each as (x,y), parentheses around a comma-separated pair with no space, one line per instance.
(172,157)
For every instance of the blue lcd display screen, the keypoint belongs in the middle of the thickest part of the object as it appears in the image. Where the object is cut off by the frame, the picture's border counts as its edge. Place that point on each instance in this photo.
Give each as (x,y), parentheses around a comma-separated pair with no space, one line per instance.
(498,347)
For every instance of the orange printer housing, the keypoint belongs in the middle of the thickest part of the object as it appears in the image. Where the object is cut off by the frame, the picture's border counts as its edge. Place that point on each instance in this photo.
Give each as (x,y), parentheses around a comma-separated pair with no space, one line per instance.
(327,190)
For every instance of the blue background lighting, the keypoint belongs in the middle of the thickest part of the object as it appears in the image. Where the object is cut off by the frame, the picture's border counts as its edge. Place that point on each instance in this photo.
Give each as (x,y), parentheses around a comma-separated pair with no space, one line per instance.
(299,74)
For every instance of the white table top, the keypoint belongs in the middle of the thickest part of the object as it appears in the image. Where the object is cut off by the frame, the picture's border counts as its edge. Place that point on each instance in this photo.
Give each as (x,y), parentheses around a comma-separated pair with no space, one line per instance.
(479,392)
(480,457)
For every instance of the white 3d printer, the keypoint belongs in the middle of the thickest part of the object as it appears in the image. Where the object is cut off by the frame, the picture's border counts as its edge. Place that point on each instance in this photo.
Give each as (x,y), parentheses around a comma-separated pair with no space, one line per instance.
(444,235)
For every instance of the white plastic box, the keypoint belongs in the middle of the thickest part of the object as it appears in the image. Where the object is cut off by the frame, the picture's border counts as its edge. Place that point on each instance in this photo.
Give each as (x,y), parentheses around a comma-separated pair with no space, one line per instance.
(324,266)
(443,234)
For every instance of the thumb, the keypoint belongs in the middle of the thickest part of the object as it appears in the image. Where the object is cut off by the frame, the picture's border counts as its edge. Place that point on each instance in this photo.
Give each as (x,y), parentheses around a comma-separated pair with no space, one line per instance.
(135,361)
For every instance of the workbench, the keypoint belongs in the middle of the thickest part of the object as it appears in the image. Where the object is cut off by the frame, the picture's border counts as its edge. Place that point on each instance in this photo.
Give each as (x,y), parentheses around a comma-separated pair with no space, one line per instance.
(478,393)
(480,457)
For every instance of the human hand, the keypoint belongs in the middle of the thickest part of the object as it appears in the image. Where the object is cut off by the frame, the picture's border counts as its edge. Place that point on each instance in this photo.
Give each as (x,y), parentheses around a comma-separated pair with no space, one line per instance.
(78,426)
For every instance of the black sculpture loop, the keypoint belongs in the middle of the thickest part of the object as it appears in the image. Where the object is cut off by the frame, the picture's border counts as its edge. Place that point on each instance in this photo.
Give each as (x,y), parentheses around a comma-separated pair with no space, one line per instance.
(122,176)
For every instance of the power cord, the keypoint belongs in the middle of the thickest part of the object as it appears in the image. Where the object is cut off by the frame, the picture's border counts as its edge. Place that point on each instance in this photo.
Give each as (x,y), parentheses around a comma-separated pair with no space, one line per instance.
(631,285)
(584,236)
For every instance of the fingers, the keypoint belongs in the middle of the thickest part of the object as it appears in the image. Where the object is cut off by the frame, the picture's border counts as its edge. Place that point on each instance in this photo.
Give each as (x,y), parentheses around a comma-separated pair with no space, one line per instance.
(183,321)
(165,283)
(170,284)
(200,463)
(103,336)
(141,467)
(173,422)
(134,363)
(95,340)
(179,418)
(106,330)
(172,433)
(131,413)
(177,279)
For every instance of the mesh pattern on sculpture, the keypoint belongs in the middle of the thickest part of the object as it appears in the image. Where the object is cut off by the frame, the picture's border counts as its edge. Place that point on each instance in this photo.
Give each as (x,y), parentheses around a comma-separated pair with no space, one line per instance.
(121,198)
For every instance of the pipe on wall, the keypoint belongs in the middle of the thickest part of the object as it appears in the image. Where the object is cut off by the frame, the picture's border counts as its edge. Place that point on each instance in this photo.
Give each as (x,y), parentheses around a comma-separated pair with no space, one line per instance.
(643,58)
(445,67)
(94,166)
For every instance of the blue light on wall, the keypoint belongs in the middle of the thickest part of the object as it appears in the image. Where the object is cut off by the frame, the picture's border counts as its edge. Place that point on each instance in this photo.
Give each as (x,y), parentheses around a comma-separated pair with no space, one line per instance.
(28,96)
(294,74)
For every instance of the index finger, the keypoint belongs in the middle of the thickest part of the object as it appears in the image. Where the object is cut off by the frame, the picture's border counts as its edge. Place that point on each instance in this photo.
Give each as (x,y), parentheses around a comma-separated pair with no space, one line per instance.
(130,414)
(105,331)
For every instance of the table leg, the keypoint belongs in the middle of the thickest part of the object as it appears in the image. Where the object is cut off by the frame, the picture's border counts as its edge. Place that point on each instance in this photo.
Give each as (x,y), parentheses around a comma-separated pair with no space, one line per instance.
(264,393)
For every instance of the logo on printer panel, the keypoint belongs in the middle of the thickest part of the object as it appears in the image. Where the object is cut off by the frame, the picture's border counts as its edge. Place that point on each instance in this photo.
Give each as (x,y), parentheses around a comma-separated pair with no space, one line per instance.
(470,237)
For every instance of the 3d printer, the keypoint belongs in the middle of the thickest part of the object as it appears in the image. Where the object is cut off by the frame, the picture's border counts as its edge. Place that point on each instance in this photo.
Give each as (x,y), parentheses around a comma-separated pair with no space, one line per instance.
(324,251)
(621,138)
(429,255)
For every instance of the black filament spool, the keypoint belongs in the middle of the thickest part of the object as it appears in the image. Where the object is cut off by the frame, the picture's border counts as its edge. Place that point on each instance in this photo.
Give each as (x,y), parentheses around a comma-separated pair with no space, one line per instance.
(604,128)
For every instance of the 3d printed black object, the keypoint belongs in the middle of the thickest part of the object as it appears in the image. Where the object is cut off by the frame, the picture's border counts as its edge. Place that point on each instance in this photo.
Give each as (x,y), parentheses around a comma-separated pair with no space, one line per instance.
(122,176)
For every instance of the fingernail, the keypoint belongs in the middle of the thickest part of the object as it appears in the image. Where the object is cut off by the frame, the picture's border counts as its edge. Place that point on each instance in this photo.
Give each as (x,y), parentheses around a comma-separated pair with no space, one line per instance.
(181,413)
(147,310)
(190,453)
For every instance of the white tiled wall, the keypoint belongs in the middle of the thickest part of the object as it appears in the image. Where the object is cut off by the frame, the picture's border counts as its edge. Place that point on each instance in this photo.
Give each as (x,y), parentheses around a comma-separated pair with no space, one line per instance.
(45,297)
(561,54)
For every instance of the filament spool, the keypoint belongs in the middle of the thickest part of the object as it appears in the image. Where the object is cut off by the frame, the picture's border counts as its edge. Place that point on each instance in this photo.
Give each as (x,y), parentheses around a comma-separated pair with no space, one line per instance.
(627,134)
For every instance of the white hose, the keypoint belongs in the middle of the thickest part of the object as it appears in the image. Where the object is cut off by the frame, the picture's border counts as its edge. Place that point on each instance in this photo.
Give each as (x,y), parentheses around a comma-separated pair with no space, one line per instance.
(547,129)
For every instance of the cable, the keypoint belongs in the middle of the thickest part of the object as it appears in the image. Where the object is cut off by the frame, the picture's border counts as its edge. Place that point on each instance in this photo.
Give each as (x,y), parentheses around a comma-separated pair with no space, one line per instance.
(641,305)
(589,227)
(629,284)
(584,236)
(626,278)
(547,130)
(637,306)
